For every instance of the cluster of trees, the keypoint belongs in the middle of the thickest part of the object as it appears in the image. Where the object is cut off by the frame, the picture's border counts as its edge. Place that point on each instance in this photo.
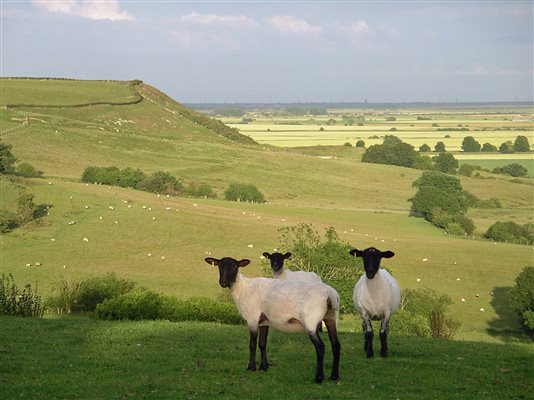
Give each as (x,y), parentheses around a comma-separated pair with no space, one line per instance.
(243,192)
(441,200)
(520,144)
(511,232)
(394,151)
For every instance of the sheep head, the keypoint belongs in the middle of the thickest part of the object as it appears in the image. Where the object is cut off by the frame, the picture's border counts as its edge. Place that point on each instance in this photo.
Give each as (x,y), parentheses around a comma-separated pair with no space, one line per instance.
(277,260)
(228,269)
(371,259)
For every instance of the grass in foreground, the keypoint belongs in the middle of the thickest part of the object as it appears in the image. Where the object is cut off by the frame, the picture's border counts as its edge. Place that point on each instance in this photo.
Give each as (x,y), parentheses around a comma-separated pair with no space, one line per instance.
(76,357)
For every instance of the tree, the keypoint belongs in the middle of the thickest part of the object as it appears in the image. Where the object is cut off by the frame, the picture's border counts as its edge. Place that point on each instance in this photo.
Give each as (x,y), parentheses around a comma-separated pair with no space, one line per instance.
(161,182)
(470,145)
(466,169)
(392,151)
(243,192)
(513,169)
(360,143)
(26,208)
(506,147)
(425,148)
(440,147)
(522,298)
(521,144)
(7,159)
(510,232)
(445,162)
(440,199)
(488,148)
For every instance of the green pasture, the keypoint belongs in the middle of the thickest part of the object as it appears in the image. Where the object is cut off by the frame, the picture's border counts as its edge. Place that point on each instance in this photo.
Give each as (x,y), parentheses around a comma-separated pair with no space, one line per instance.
(52,92)
(161,242)
(491,163)
(66,358)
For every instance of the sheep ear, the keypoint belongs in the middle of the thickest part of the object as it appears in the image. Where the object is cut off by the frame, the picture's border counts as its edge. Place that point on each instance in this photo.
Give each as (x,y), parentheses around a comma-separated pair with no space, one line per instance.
(243,263)
(212,261)
(287,255)
(387,254)
(266,255)
(356,253)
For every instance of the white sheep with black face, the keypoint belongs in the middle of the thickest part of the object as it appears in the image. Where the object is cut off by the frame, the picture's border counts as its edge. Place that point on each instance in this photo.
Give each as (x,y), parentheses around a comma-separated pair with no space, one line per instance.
(288,306)
(376,297)
(279,272)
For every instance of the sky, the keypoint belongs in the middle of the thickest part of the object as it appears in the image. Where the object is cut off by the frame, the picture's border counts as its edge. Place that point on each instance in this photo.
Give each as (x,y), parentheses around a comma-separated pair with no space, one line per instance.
(281,51)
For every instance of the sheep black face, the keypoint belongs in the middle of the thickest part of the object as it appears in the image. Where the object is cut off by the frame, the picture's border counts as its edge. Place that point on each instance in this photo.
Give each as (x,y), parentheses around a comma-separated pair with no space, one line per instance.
(228,269)
(371,259)
(277,260)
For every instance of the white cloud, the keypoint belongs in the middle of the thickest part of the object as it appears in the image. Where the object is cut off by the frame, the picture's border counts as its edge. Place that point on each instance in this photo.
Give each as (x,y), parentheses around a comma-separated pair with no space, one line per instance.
(193,39)
(232,21)
(91,9)
(359,26)
(357,34)
(286,24)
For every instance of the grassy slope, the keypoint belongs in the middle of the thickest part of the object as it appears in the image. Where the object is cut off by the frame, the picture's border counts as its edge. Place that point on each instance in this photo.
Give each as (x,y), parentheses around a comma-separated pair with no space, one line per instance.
(365,201)
(147,360)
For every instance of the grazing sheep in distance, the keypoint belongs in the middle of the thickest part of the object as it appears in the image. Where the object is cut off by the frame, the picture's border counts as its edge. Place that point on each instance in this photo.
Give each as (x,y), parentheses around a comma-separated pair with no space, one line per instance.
(279,272)
(376,297)
(288,306)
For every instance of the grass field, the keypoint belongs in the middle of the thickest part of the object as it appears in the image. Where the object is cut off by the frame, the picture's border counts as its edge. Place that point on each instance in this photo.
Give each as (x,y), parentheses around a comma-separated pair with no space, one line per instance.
(414,126)
(84,358)
(367,205)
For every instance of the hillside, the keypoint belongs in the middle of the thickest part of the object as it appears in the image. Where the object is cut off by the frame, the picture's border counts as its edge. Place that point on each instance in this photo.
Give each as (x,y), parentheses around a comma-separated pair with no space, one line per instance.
(161,242)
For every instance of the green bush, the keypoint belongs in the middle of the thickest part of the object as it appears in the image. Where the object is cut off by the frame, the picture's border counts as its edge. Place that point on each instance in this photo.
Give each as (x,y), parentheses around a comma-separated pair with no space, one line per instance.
(329,258)
(243,192)
(17,302)
(161,182)
(148,305)
(201,190)
(27,170)
(422,313)
(392,151)
(522,298)
(511,232)
(8,221)
(84,296)
(514,169)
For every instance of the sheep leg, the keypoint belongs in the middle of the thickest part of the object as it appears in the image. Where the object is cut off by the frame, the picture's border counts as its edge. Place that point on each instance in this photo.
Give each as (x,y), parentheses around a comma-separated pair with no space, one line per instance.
(336,347)
(368,337)
(384,337)
(264,331)
(252,348)
(319,350)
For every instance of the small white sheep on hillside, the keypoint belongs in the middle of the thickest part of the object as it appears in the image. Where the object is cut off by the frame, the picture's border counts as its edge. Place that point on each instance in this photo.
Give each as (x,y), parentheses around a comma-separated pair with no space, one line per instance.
(288,306)
(376,297)
(279,272)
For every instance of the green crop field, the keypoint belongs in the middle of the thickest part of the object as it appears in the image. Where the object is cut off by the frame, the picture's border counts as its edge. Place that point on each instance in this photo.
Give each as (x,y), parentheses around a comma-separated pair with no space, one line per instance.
(160,242)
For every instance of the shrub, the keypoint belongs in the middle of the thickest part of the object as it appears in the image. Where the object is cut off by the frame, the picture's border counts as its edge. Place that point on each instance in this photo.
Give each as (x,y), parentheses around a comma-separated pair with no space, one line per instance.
(329,258)
(393,151)
(27,170)
(514,169)
(422,313)
(8,221)
(16,302)
(243,192)
(26,208)
(522,298)
(201,190)
(7,159)
(445,162)
(510,232)
(87,294)
(95,290)
(466,169)
(148,305)
(161,182)
(360,143)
